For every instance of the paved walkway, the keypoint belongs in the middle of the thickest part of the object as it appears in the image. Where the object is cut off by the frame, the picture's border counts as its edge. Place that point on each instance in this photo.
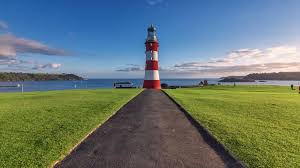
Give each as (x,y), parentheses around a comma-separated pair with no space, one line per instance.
(150,131)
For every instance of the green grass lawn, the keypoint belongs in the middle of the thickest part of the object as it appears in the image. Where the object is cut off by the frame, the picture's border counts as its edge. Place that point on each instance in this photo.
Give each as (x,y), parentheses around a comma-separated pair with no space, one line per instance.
(38,128)
(258,124)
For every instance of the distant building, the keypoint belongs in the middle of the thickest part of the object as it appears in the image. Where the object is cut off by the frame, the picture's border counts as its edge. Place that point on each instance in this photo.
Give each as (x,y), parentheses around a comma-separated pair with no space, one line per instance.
(123,85)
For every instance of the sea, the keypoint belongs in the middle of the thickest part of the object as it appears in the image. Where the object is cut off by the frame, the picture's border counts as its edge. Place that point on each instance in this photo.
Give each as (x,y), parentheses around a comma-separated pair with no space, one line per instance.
(29,86)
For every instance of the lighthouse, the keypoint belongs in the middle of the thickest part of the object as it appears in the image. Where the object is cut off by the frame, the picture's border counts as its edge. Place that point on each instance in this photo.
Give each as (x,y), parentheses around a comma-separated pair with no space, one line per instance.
(151,80)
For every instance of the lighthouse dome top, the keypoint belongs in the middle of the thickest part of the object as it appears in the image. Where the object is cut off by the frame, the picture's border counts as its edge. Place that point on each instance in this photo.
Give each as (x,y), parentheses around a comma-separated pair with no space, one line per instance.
(151,28)
(151,33)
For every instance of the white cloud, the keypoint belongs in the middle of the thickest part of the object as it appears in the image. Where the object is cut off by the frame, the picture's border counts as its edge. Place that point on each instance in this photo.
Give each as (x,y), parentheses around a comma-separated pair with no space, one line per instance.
(24,65)
(14,62)
(244,61)
(131,68)
(49,65)
(10,46)
(154,2)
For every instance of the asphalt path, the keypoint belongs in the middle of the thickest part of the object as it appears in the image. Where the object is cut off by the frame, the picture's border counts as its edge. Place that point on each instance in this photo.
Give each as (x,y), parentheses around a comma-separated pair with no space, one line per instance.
(150,131)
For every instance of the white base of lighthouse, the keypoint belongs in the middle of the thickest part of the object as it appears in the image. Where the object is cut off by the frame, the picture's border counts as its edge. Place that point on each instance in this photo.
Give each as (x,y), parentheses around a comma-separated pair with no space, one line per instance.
(152,80)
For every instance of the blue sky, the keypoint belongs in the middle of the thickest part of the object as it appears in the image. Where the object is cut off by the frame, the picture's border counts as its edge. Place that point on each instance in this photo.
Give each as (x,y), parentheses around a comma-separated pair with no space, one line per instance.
(105,39)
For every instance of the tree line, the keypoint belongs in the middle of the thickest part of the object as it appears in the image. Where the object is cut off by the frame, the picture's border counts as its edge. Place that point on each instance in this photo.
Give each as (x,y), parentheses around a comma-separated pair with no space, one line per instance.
(274,76)
(19,76)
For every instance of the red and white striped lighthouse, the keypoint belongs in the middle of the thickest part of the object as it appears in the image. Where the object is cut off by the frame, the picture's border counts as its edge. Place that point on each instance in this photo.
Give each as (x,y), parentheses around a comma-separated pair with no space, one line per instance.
(151,80)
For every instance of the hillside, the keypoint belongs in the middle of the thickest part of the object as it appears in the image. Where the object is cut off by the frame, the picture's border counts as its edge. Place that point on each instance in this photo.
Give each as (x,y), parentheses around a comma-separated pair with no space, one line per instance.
(293,76)
(18,76)
(274,76)
(236,79)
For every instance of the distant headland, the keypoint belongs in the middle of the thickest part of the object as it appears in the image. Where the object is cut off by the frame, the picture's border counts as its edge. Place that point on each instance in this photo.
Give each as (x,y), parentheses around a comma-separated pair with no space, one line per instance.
(19,76)
(287,76)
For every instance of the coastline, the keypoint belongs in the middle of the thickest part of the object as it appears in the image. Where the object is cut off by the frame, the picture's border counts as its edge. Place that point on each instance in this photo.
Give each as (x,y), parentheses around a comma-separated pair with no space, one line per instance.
(30,86)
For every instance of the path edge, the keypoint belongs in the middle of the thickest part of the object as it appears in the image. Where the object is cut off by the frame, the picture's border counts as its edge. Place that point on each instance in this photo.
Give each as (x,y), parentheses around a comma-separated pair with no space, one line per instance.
(204,131)
(62,158)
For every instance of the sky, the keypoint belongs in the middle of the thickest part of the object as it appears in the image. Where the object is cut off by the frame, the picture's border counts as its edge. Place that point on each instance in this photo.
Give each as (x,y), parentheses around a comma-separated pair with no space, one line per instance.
(105,38)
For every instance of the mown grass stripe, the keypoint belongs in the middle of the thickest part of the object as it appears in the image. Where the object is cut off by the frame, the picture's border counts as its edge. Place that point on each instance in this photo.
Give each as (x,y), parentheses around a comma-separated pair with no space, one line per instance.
(259,124)
(38,128)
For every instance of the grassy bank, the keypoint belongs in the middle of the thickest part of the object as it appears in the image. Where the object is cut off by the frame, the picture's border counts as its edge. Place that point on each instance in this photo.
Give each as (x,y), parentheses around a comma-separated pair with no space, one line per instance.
(38,128)
(259,124)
